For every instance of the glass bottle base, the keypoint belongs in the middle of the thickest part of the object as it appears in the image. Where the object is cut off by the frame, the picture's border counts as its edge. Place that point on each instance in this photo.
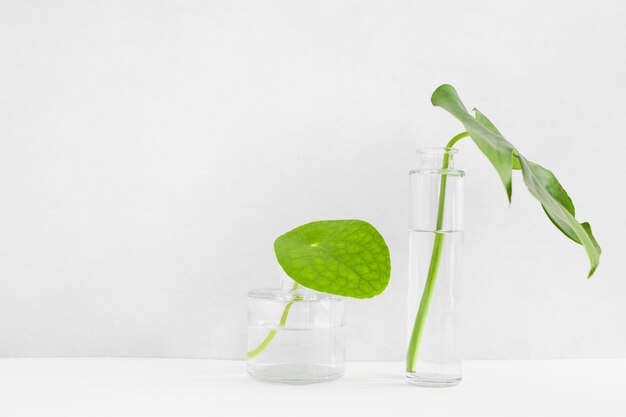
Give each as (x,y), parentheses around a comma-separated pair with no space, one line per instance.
(295,374)
(433,380)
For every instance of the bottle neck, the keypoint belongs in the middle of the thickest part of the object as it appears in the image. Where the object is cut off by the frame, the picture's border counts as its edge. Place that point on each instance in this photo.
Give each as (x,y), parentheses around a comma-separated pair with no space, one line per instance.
(435,159)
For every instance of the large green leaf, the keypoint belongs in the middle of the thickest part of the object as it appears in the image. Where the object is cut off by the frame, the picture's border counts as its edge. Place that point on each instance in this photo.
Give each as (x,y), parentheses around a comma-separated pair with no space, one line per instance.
(541,183)
(342,257)
(559,207)
(491,143)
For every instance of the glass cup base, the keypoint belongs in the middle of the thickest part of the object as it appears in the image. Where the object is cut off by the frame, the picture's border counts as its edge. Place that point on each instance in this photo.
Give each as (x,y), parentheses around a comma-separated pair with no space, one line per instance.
(295,374)
(433,380)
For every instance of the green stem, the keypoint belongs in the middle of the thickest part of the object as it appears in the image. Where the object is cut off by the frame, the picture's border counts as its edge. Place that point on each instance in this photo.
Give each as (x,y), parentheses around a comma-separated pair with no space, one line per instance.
(268,339)
(433,268)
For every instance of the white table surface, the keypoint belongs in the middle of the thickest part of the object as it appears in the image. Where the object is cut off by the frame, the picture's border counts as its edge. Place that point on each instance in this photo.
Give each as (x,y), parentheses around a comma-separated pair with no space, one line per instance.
(195,387)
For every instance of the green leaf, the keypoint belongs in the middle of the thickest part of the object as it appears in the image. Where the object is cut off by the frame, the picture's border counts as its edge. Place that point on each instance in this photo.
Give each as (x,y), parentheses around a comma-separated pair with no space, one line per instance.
(544,186)
(541,183)
(491,143)
(343,257)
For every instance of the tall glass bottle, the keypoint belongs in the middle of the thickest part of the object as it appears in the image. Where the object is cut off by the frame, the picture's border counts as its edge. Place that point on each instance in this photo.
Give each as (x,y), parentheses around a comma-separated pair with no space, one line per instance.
(435,245)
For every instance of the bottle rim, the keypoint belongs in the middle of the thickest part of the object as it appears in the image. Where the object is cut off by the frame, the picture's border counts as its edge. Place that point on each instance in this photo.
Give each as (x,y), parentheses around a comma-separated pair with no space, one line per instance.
(436,151)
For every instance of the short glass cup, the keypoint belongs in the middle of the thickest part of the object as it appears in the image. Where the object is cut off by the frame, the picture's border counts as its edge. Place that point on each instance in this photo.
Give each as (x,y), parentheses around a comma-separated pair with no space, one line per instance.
(295,336)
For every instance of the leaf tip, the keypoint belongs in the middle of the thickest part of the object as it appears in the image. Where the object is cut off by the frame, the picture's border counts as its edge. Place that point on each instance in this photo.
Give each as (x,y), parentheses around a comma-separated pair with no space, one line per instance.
(442,92)
(591,271)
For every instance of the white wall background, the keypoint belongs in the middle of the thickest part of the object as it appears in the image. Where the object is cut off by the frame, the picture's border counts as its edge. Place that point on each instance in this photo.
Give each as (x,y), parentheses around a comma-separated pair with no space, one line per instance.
(150,152)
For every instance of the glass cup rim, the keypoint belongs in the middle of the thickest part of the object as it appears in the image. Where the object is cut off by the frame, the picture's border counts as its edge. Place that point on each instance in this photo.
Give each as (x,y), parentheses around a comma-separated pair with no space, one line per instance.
(299,294)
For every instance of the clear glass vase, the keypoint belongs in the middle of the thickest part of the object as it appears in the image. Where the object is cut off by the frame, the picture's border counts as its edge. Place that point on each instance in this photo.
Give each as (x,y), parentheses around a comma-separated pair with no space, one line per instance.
(295,336)
(435,245)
